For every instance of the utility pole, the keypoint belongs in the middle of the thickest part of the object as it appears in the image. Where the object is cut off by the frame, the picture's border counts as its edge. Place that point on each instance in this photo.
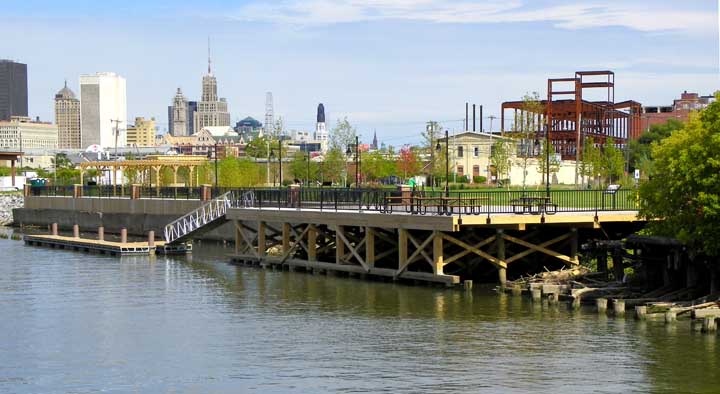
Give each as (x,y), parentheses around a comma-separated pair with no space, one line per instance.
(117,133)
(491,117)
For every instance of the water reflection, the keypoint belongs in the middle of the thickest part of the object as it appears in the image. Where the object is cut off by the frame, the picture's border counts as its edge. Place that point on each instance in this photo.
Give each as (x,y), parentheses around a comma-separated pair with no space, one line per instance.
(85,323)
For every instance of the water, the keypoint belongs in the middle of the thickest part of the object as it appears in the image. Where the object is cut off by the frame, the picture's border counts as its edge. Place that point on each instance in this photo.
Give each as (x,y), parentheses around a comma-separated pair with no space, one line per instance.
(79,323)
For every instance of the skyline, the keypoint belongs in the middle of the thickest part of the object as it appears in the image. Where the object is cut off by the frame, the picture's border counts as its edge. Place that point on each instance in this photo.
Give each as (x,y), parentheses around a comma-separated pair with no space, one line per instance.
(365,60)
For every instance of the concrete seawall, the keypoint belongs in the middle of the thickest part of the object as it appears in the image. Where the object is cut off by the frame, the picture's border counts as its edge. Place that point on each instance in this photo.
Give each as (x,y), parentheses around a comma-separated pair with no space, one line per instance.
(138,216)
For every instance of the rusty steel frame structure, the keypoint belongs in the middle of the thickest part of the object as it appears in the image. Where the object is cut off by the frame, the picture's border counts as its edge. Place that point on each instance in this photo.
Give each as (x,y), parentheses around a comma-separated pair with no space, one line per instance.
(572,120)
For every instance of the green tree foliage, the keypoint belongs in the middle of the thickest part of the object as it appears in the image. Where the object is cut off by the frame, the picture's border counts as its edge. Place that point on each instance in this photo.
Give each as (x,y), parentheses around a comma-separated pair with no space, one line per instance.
(299,167)
(334,167)
(548,156)
(234,172)
(640,149)
(683,192)
(342,135)
(500,158)
(612,161)
(258,147)
(376,165)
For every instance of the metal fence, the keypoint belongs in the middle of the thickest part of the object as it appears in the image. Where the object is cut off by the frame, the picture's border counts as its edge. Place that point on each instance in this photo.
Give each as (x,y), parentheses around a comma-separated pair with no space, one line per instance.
(416,202)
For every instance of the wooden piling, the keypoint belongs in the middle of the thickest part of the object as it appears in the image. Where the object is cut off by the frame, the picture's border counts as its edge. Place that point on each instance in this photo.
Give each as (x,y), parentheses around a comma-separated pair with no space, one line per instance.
(101,233)
(151,239)
(601,304)
(576,302)
(54,229)
(552,298)
(670,316)
(123,235)
(76,231)
(709,324)
(536,294)
(641,312)
(516,290)
(468,284)
(619,307)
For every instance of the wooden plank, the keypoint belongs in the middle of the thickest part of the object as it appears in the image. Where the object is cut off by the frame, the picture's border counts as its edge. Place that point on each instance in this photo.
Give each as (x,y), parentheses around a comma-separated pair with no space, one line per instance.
(419,249)
(438,254)
(362,262)
(312,243)
(370,246)
(466,252)
(520,255)
(477,251)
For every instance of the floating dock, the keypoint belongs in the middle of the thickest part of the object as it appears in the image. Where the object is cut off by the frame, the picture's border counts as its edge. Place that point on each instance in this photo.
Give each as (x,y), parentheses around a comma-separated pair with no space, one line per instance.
(106,247)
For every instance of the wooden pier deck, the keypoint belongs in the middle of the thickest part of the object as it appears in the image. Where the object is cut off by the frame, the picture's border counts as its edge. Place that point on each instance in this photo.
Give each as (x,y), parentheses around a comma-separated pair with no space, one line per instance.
(102,246)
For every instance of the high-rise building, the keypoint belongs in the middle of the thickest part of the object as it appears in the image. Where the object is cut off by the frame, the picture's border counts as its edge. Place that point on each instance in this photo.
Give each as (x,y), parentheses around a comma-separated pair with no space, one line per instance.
(142,133)
(191,109)
(67,119)
(269,114)
(178,115)
(20,133)
(103,110)
(321,133)
(211,110)
(13,89)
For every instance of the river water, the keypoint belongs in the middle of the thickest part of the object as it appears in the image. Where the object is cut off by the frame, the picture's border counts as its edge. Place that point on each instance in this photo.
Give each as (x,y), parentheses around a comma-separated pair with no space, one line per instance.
(80,323)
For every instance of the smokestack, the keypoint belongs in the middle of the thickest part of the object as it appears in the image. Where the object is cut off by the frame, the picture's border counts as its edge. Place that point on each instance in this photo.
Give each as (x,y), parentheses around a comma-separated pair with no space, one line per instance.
(481,119)
(466,116)
(474,117)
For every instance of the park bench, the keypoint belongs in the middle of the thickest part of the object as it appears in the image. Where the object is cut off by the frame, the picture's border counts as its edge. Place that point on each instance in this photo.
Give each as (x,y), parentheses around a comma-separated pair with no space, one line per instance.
(533,205)
(448,205)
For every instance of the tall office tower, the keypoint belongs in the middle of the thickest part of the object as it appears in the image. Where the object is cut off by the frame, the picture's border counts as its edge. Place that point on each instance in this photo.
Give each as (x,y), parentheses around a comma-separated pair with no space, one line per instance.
(178,121)
(103,110)
(321,133)
(269,114)
(211,111)
(13,89)
(191,109)
(67,119)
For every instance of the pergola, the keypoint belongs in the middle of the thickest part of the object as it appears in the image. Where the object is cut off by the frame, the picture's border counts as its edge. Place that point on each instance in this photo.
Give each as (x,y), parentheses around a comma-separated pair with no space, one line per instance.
(12,157)
(153,164)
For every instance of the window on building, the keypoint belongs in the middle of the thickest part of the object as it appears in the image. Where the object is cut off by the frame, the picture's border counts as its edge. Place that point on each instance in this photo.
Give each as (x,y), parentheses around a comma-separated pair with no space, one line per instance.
(476,171)
(460,151)
(460,170)
(476,151)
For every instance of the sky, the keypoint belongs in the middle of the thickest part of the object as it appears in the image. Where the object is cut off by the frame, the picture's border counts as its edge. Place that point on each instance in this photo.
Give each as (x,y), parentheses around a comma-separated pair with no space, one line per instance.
(389,66)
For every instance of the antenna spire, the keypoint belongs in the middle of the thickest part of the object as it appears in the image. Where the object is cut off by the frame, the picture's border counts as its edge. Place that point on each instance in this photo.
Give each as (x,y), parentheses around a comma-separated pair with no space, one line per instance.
(209,61)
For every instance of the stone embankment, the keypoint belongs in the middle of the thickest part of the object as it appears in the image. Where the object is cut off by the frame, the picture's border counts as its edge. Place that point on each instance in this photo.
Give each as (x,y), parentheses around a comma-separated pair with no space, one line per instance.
(7,203)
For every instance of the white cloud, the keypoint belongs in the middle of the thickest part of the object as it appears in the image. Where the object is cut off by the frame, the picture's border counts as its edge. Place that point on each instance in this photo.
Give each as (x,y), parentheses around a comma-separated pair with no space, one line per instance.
(646,17)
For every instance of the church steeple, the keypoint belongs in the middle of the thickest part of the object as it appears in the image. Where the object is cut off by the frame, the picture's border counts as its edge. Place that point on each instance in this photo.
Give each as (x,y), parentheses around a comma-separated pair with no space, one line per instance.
(375,141)
(209,59)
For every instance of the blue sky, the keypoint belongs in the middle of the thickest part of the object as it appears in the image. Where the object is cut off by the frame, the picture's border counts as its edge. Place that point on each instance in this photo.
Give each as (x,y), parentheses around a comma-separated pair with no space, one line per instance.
(388,65)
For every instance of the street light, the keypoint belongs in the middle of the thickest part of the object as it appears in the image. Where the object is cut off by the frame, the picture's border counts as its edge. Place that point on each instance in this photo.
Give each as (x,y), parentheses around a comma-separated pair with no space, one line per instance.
(547,162)
(438,147)
(348,152)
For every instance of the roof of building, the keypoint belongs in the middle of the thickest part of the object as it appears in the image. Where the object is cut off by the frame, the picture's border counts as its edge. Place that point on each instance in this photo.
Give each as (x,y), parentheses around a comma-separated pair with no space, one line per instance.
(65,93)
(249,122)
(220,131)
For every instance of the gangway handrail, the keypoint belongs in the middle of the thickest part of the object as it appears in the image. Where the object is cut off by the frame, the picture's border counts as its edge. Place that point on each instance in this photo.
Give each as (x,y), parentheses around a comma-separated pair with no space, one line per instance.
(194,220)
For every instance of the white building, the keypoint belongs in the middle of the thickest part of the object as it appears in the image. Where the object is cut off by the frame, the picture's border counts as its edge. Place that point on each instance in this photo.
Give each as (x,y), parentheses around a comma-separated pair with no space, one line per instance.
(103,109)
(20,134)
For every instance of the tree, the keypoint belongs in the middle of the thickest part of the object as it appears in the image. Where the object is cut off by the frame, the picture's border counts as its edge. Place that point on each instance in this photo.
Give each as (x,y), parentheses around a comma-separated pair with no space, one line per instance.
(299,167)
(376,165)
(234,172)
(640,148)
(408,162)
(526,128)
(682,197)
(612,161)
(334,167)
(258,147)
(342,135)
(548,155)
(500,158)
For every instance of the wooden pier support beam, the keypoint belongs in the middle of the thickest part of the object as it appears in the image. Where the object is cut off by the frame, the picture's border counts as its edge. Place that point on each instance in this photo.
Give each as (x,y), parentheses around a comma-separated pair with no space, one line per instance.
(619,307)
(438,257)
(123,235)
(261,239)
(574,246)
(285,237)
(339,245)
(101,233)
(370,246)
(54,229)
(601,304)
(709,324)
(500,247)
(312,243)
(151,238)
(402,247)
(76,231)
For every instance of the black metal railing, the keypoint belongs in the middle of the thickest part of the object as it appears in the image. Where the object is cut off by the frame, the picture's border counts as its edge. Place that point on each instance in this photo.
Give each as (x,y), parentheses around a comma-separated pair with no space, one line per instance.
(417,202)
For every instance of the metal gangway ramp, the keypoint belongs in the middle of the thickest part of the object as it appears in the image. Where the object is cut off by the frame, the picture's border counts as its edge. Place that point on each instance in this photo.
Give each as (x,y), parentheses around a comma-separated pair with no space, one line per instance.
(207,217)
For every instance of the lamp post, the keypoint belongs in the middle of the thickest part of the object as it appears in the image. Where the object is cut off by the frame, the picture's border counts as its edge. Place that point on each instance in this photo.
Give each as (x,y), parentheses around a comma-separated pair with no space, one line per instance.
(357,160)
(447,162)
(547,162)
(216,166)
(307,170)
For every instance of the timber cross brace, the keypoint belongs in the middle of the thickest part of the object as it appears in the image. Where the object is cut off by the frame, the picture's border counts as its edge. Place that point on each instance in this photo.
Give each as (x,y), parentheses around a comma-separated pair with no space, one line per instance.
(395,252)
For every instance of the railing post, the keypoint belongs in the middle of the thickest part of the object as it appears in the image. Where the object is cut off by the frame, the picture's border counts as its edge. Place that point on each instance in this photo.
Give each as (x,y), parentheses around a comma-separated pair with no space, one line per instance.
(77,191)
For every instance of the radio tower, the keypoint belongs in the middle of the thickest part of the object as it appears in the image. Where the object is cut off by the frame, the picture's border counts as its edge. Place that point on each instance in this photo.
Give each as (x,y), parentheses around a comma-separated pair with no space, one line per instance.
(269,114)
